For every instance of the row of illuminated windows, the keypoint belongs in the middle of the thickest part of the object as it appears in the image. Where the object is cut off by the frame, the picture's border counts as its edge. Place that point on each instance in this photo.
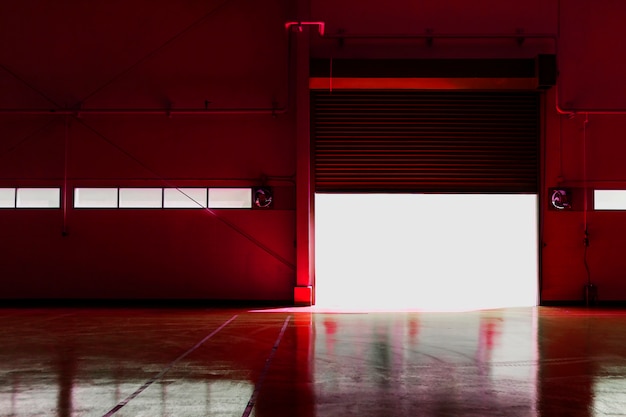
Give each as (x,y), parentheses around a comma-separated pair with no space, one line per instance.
(129,198)
(187,198)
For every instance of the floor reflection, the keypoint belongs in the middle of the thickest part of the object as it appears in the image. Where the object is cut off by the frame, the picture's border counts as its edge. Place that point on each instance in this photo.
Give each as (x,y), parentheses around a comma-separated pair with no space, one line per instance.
(508,362)
(438,364)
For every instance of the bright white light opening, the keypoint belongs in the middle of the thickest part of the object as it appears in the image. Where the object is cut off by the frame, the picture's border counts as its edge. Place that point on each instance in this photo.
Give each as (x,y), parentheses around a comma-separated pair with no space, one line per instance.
(95,197)
(426,251)
(609,199)
(38,198)
(185,198)
(7,197)
(230,198)
(141,198)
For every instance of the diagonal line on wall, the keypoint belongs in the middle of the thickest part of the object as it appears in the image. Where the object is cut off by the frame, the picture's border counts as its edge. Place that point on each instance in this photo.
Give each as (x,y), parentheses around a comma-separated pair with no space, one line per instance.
(26,138)
(29,85)
(226,222)
(156,50)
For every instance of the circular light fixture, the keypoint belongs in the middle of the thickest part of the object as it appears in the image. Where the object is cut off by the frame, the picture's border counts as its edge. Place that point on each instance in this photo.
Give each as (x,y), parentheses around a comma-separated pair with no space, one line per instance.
(560,199)
(263,197)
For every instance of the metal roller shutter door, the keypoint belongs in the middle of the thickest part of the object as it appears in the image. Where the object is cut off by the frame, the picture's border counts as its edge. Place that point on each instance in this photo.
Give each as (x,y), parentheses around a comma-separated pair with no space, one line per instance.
(425,141)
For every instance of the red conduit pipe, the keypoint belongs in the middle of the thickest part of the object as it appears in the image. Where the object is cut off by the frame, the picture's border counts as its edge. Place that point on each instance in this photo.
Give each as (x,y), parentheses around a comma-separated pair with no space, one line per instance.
(298,26)
(572,112)
(575,111)
(65,171)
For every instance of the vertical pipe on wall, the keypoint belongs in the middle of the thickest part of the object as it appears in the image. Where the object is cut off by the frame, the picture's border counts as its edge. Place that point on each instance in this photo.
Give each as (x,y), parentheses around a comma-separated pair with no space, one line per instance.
(65,172)
(543,172)
(590,292)
(585,123)
(305,266)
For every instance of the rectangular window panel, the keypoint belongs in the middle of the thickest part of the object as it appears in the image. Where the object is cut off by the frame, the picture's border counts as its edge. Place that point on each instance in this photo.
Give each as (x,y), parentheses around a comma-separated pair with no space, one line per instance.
(95,197)
(38,197)
(141,198)
(609,199)
(185,198)
(230,198)
(7,197)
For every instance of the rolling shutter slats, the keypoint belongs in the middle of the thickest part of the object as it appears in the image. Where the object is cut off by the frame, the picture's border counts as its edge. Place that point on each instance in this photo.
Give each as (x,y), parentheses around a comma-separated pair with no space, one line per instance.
(412,141)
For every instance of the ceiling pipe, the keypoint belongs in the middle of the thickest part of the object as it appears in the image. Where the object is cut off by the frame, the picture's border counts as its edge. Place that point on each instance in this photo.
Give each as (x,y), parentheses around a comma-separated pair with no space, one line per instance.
(321,26)
(430,35)
(144,111)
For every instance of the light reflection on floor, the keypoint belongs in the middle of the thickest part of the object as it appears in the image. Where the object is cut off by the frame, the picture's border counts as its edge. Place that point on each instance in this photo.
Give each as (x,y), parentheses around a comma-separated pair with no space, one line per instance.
(502,362)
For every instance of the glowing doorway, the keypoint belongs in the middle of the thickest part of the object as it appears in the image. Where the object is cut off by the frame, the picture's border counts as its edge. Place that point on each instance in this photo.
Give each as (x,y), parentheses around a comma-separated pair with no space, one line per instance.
(436,252)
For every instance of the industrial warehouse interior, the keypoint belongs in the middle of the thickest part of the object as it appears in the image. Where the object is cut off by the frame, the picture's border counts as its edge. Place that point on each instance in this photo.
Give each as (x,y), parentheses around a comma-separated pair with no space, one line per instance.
(312,208)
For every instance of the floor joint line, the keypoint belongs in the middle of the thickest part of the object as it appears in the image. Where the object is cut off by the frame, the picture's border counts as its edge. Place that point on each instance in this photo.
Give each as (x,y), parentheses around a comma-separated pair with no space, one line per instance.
(166,369)
(266,368)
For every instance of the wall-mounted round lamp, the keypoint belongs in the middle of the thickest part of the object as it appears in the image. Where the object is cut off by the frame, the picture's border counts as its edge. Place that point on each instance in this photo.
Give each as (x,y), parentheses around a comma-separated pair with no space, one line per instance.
(560,199)
(263,197)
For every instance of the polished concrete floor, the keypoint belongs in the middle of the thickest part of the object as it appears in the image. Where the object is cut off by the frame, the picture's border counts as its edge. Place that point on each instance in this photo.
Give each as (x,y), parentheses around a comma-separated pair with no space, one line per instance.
(543,361)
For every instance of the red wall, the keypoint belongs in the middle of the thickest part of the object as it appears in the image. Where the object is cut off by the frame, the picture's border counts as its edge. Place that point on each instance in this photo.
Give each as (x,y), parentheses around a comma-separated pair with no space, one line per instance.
(584,151)
(237,55)
(147,55)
